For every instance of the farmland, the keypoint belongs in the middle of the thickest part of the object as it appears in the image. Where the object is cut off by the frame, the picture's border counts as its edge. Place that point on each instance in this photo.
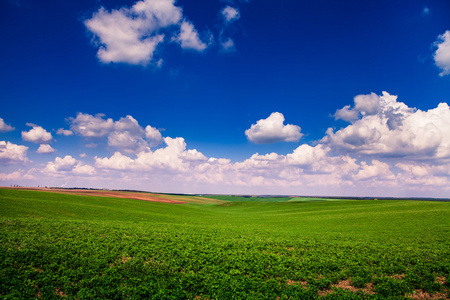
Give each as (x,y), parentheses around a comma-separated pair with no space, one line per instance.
(85,247)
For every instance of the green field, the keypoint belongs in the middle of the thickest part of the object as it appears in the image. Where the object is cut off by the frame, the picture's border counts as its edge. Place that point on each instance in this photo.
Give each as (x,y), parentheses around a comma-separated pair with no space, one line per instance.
(81,247)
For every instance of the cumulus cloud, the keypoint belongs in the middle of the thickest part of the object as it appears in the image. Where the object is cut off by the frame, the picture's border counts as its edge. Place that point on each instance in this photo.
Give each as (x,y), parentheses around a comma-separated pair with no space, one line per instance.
(125,134)
(172,157)
(272,130)
(132,34)
(45,149)
(61,164)
(377,169)
(153,136)
(442,54)
(5,127)
(81,169)
(188,37)
(69,165)
(12,154)
(11,176)
(230,14)
(387,144)
(37,135)
(65,132)
(346,114)
(387,127)
(88,125)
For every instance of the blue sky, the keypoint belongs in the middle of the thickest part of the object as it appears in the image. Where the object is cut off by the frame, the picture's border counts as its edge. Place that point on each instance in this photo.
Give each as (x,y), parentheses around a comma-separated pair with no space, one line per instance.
(254,97)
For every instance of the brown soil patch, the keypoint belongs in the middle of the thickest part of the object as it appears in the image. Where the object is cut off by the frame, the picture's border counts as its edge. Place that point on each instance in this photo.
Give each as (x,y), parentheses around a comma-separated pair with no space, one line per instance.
(441,280)
(304,284)
(124,259)
(420,294)
(58,292)
(347,285)
(398,276)
(112,194)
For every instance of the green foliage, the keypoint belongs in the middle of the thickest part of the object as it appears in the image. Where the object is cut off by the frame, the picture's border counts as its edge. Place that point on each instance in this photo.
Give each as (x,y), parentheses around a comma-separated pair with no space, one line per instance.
(54,246)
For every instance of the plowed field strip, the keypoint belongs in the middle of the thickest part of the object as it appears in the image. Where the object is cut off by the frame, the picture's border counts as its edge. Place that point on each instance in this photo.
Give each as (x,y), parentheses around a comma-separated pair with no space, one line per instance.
(113,194)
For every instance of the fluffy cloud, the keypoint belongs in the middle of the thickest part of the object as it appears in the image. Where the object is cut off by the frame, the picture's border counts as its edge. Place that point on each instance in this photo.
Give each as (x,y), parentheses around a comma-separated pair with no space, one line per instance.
(131,35)
(12,154)
(172,157)
(45,148)
(125,134)
(37,135)
(272,130)
(62,164)
(62,131)
(390,128)
(81,169)
(91,126)
(153,136)
(377,169)
(12,176)
(387,144)
(5,127)
(442,54)
(188,37)
(67,165)
(230,14)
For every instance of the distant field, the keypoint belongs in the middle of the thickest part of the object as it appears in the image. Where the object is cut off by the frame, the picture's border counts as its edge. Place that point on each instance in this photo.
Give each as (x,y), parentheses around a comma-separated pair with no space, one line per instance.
(56,245)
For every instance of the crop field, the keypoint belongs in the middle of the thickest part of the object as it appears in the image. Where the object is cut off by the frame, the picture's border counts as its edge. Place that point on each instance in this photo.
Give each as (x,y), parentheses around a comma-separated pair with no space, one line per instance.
(55,245)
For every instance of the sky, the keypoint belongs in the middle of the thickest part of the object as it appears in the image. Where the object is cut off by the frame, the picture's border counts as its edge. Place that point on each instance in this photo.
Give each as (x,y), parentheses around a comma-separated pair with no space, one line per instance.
(256,97)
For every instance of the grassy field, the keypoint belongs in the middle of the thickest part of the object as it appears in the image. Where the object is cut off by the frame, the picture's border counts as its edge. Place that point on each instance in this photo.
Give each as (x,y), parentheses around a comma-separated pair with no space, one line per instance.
(81,247)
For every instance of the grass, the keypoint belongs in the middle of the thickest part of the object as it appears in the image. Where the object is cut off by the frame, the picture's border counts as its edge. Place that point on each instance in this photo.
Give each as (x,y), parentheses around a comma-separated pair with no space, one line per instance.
(81,247)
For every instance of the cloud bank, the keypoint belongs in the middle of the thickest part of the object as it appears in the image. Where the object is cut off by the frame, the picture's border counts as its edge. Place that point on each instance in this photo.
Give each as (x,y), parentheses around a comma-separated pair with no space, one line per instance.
(386,149)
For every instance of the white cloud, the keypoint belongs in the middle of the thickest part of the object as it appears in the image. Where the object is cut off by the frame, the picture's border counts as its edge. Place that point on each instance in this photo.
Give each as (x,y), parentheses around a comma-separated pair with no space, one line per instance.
(5,127)
(132,34)
(91,126)
(45,148)
(37,135)
(172,157)
(12,154)
(153,136)
(125,134)
(67,166)
(62,131)
(116,162)
(61,164)
(378,170)
(188,37)
(390,149)
(272,130)
(346,114)
(391,128)
(442,54)
(81,169)
(11,176)
(230,14)
(228,45)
